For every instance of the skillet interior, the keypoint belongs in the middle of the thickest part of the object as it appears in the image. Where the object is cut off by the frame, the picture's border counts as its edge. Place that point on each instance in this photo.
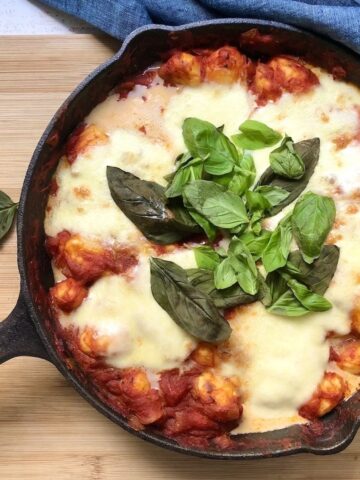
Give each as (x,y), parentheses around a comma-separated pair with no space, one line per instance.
(144,47)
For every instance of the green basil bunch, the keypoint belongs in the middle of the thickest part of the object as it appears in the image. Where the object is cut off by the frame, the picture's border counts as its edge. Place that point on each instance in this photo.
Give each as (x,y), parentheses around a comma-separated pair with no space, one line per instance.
(212,190)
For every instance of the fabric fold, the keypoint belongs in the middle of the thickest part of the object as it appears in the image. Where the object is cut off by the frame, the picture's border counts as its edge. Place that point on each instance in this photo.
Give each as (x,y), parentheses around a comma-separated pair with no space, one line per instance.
(337,19)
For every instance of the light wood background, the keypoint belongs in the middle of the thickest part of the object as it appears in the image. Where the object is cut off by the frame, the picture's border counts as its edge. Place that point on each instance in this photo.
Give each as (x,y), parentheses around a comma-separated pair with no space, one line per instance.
(47,431)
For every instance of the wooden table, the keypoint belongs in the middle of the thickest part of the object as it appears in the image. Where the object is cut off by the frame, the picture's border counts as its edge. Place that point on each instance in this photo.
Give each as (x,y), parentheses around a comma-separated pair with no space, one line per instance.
(47,431)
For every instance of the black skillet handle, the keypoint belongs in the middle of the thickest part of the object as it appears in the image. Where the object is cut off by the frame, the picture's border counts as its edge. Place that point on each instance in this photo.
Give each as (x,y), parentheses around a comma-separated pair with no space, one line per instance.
(18,335)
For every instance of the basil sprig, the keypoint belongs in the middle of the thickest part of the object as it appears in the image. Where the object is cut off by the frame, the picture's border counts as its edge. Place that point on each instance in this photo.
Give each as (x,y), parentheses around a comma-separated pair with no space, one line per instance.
(189,307)
(297,289)
(8,210)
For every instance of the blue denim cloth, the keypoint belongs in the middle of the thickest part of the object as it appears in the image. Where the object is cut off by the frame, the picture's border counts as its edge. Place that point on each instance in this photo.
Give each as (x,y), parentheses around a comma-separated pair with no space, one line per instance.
(339,19)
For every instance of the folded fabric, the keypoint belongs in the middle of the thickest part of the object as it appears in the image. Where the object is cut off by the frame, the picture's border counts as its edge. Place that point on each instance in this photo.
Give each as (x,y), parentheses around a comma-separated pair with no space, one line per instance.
(338,19)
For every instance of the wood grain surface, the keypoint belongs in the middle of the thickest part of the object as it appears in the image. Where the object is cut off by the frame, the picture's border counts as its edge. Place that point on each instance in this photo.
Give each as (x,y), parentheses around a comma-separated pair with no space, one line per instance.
(47,431)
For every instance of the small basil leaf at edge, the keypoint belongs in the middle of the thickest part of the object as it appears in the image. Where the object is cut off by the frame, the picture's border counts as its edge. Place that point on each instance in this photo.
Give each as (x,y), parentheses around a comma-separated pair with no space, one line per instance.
(309,151)
(189,307)
(7,213)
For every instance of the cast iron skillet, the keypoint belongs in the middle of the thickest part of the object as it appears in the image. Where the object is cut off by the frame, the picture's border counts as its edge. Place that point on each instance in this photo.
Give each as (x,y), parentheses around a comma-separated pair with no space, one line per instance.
(28,330)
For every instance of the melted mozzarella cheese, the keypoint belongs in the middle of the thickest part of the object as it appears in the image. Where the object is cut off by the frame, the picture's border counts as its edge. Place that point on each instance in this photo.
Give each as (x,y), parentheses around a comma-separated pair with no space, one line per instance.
(140,332)
(227,105)
(285,358)
(132,152)
(279,361)
(328,111)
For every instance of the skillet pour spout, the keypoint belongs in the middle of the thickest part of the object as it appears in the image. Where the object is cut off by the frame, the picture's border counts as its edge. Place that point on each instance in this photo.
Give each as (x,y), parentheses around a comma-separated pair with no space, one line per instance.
(29,329)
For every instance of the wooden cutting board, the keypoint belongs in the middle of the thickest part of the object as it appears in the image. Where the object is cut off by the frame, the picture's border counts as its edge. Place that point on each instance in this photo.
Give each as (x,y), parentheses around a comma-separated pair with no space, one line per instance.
(47,431)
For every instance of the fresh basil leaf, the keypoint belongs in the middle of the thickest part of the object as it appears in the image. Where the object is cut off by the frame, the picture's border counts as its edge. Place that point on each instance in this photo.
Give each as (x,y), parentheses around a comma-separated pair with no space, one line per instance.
(206,257)
(308,151)
(144,203)
(279,299)
(318,275)
(247,165)
(7,213)
(209,229)
(222,156)
(244,175)
(310,300)
(277,250)
(312,220)
(191,171)
(204,140)
(223,180)
(264,291)
(5,201)
(244,266)
(314,278)
(255,135)
(222,209)
(189,307)
(226,298)
(225,210)
(182,159)
(221,251)
(255,201)
(277,286)
(238,184)
(256,243)
(287,305)
(225,275)
(286,162)
(255,222)
(274,195)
